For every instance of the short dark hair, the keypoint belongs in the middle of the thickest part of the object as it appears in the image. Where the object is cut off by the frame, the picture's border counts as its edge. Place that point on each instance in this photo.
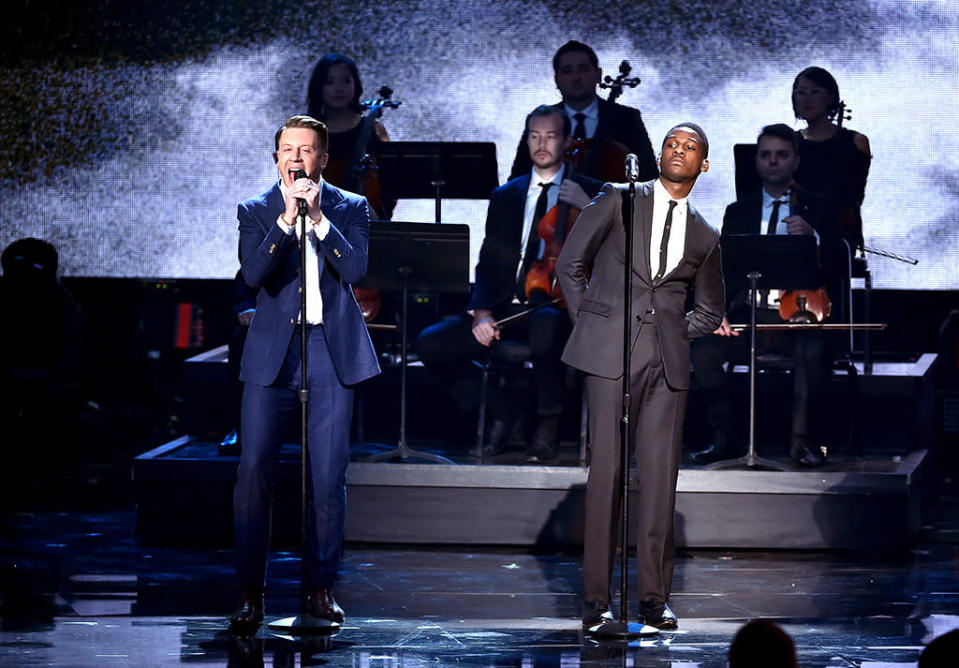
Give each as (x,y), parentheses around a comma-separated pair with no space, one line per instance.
(29,257)
(780,131)
(823,78)
(314,90)
(571,46)
(762,644)
(303,122)
(695,128)
(549,110)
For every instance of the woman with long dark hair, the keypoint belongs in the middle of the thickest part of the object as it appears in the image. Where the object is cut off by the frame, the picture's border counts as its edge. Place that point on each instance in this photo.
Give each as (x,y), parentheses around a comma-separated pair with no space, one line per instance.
(333,96)
(834,160)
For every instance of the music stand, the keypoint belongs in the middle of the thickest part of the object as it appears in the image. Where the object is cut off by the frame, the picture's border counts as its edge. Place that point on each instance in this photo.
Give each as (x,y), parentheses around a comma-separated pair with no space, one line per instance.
(768,262)
(421,257)
(434,170)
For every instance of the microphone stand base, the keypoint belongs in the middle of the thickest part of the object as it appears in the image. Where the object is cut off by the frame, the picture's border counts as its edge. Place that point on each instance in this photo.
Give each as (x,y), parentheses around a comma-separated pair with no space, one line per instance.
(622,630)
(304,625)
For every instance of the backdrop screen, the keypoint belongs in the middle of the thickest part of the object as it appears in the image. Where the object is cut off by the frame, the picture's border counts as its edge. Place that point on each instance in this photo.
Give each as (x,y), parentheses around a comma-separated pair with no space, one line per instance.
(130,130)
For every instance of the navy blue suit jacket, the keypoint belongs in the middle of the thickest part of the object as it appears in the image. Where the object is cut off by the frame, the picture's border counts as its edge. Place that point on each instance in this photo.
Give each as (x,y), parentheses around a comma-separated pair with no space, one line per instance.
(270,264)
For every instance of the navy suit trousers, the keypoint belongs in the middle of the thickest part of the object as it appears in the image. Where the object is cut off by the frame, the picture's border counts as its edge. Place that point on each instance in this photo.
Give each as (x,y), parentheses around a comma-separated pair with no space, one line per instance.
(265,416)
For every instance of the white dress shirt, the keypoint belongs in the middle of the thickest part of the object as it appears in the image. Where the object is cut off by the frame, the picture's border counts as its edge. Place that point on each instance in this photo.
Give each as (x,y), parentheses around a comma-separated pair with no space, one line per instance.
(315,230)
(532,196)
(784,212)
(590,123)
(677,235)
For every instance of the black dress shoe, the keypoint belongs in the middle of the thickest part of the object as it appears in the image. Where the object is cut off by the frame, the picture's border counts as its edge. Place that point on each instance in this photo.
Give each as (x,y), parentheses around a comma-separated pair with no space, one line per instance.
(595,614)
(496,435)
(544,447)
(247,618)
(804,454)
(658,615)
(320,604)
(711,453)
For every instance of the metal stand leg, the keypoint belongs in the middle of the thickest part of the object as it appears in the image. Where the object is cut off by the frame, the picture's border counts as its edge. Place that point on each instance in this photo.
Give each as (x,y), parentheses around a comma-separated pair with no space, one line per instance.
(751,460)
(402,451)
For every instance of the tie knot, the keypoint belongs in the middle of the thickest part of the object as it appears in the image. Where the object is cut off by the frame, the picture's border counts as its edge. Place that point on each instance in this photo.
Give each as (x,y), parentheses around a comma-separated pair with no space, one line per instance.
(545,185)
(579,116)
(672,204)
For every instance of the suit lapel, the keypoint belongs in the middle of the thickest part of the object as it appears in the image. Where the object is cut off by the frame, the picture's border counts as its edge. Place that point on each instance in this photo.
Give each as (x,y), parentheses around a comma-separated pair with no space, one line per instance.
(644,219)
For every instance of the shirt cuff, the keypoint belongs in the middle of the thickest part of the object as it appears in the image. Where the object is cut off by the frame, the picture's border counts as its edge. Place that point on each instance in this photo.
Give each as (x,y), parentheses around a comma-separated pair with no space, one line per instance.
(287,229)
(321,227)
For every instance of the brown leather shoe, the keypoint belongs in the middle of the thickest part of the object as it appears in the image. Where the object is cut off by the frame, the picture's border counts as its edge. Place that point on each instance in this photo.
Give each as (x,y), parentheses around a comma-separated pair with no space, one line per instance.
(247,618)
(321,604)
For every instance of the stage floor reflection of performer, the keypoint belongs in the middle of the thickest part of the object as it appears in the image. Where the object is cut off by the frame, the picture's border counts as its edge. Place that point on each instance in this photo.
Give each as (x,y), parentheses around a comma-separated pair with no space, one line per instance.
(677,253)
(780,207)
(512,242)
(339,355)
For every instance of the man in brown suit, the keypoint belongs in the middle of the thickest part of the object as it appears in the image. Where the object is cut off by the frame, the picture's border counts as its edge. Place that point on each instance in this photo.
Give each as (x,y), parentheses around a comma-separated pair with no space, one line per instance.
(675,253)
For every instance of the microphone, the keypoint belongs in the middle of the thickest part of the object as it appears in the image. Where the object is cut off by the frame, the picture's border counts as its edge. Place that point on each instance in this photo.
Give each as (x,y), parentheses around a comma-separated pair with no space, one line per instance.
(632,168)
(301,203)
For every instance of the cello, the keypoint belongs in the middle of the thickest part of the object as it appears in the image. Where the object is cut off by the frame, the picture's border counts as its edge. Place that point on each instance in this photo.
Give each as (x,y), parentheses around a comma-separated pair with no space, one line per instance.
(361,175)
(603,157)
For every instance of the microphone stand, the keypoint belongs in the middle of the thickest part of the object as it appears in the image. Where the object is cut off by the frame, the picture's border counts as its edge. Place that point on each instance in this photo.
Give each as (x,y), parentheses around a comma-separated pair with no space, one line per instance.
(625,629)
(304,623)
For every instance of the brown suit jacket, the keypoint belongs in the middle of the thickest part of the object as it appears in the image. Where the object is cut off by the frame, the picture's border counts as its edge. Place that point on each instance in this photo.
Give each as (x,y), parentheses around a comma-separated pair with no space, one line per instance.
(595,248)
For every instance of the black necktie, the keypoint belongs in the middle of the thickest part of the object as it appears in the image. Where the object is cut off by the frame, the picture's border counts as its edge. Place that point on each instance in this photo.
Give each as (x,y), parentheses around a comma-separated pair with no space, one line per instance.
(665,243)
(774,218)
(579,132)
(532,243)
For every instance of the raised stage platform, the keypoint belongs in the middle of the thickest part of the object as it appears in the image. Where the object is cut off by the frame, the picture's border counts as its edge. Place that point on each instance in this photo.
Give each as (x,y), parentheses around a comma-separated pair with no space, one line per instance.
(184,495)
(868,496)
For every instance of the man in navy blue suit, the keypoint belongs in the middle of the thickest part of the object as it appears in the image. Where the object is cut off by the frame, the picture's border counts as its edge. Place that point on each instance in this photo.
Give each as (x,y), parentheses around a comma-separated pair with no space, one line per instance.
(339,355)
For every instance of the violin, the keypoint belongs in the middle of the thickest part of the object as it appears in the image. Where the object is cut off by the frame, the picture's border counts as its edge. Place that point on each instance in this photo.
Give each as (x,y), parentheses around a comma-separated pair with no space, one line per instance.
(361,174)
(604,158)
(552,228)
(803,306)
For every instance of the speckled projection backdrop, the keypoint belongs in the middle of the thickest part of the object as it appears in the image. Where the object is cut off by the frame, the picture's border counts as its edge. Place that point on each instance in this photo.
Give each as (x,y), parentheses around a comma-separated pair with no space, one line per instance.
(129,130)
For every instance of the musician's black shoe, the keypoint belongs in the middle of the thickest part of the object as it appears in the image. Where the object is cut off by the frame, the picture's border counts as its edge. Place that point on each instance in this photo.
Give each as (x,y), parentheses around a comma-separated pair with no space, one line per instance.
(654,613)
(496,434)
(322,605)
(247,618)
(714,452)
(595,614)
(803,453)
(544,447)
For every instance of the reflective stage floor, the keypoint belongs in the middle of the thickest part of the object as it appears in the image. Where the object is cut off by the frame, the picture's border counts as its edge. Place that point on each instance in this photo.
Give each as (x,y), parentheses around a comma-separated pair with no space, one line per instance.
(77,591)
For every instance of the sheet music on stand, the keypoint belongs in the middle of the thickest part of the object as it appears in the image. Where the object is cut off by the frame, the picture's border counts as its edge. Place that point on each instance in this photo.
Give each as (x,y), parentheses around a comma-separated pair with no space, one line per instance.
(438,170)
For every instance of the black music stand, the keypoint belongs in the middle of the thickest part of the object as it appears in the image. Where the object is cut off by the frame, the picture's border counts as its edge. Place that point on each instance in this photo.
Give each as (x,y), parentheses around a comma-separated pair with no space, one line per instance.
(421,257)
(434,170)
(768,262)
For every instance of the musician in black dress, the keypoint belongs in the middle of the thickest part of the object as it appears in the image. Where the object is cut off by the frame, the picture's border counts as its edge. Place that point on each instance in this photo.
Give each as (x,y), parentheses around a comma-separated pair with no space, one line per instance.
(834,160)
(333,96)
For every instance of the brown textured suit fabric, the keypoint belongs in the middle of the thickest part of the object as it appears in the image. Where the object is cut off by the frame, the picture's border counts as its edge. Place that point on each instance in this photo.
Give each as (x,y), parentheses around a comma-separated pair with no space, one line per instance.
(659,374)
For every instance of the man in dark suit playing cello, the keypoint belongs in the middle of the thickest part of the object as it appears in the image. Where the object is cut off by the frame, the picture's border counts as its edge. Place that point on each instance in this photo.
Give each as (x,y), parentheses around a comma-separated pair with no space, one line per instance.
(675,253)
(511,245)
(779,207)
(611,129)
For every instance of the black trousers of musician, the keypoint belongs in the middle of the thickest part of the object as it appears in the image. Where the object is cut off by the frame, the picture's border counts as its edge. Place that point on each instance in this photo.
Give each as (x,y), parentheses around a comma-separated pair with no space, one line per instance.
(266,414)
(656,421)
(448,348)
(811,355)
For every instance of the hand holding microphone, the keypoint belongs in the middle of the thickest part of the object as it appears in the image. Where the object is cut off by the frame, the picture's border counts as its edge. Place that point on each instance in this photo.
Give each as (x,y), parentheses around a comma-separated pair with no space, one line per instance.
(307,197)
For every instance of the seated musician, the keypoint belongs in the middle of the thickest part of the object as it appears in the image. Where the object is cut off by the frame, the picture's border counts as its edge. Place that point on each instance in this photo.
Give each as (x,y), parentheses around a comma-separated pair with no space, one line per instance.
(577,74)
(333,96)
(773,210)
(511,244)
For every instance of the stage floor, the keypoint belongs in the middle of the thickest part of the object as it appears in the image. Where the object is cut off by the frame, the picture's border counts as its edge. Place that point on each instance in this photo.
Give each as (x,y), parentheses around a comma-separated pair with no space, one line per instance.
(109,602)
